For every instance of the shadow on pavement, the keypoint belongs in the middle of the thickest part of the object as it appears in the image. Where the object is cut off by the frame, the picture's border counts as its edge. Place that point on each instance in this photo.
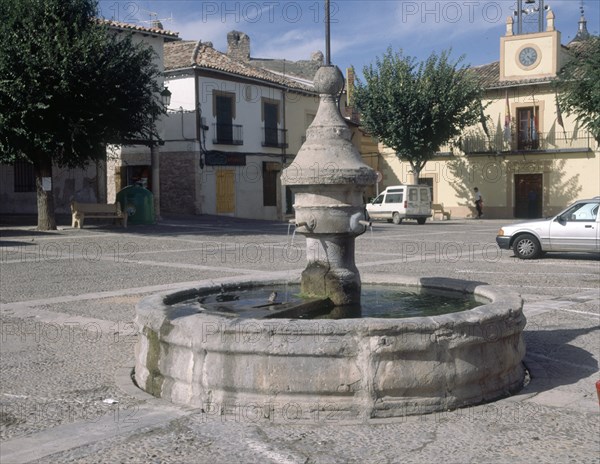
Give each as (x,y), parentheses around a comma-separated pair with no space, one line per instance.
(553,362)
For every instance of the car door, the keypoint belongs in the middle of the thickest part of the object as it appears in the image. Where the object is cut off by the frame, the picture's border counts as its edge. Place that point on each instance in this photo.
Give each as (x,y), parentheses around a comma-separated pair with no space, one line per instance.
(424,201)
(412,207)
(392,203)
(576,229)
(375,208)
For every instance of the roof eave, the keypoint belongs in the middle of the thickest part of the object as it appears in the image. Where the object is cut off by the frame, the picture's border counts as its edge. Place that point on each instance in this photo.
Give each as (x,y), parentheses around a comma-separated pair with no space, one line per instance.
(197,67)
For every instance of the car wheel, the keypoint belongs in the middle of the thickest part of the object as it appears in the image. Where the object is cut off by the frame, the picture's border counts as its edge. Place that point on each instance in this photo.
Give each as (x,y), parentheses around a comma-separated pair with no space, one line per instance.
(421,221)
(527,247)
(396,219)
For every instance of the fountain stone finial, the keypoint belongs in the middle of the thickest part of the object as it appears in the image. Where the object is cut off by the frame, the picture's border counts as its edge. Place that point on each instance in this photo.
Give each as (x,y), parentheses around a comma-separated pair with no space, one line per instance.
(328,178)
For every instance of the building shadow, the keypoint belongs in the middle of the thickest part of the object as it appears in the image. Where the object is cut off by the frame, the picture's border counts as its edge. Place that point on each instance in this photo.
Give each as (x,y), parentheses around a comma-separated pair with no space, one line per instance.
(553,362)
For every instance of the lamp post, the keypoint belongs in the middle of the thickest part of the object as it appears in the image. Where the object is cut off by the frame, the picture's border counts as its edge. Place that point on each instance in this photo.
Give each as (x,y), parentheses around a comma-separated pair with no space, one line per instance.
(165,99)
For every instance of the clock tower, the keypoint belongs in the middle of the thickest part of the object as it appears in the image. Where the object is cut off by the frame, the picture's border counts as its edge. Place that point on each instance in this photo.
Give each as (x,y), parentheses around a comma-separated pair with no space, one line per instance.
(530,52)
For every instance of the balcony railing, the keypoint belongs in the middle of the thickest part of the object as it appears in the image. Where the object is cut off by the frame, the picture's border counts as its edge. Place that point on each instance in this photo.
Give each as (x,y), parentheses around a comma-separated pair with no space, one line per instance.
(228,134)
(555,141)
(273,137)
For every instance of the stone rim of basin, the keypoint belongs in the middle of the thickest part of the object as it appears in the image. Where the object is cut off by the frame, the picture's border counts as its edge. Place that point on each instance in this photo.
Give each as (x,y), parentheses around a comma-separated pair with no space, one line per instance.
(361,368)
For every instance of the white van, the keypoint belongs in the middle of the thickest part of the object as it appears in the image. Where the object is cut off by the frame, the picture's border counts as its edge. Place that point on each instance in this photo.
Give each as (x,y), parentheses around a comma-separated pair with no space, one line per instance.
(400,202)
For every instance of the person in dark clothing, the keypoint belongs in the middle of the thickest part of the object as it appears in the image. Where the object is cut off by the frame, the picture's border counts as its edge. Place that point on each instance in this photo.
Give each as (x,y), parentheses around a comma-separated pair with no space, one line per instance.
(478,203)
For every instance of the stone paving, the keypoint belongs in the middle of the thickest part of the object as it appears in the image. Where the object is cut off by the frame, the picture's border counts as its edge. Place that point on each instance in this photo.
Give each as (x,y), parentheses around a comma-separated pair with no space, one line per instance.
(66,350)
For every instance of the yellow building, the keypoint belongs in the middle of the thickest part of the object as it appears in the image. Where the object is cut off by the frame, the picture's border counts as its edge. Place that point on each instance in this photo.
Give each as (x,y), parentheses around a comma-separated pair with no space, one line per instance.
(530,160)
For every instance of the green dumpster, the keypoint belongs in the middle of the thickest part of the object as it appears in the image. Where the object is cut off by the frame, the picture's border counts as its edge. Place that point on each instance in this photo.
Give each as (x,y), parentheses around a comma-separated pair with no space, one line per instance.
(138,202)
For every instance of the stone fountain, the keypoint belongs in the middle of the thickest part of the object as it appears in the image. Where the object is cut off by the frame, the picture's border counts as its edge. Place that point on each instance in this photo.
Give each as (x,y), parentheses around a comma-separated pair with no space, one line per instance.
(277,363)
(328,179)
(197,354)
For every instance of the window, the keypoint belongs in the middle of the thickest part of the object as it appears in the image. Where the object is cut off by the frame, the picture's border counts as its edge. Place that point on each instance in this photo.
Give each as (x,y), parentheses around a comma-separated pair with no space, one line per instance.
(527,123)
(271,118)
(270,171)
(393,198)
(224,112)
(378,200)
(582,212)
(24,177)
(224,119)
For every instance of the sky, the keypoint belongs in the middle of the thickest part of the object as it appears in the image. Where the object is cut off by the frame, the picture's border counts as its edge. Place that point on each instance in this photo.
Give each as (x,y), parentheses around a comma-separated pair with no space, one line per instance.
(361,30)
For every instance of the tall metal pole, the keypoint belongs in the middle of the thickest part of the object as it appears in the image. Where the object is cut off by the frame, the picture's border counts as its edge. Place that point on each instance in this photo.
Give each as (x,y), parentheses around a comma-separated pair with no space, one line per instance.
(327,35)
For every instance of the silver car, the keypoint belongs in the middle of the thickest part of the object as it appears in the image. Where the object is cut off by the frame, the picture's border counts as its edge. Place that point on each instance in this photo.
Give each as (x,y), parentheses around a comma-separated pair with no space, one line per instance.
(577,228)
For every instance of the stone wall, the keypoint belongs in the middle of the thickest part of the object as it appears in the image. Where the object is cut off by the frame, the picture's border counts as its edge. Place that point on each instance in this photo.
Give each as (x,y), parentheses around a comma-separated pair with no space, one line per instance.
(67,184)
(178,183)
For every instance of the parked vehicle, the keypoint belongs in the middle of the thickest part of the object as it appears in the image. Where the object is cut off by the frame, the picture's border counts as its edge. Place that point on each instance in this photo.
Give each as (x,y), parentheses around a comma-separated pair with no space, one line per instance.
(577,228)
(400,202)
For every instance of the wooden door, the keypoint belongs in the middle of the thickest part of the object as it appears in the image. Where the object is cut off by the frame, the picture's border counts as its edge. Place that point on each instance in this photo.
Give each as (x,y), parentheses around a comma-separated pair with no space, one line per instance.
(528,195)
(225,191)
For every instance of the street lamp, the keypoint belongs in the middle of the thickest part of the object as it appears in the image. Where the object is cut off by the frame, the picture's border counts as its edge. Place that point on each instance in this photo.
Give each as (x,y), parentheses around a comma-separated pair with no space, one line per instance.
(165,97)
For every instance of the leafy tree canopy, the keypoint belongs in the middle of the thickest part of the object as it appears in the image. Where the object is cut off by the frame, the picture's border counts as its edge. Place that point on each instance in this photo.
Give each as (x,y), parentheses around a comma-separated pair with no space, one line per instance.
(415,108)
(579,85)
(69,86)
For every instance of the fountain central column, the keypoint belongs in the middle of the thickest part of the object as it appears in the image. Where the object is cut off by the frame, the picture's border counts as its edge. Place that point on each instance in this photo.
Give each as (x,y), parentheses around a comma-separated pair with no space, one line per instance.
(328,178)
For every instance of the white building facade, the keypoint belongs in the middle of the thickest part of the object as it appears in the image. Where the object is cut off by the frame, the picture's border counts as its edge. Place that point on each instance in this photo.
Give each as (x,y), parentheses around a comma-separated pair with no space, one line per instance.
(230,130)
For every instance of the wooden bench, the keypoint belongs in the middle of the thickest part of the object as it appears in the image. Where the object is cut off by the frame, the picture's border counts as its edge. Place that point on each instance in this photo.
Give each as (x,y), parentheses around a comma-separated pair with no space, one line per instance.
(80,211)
(438,208)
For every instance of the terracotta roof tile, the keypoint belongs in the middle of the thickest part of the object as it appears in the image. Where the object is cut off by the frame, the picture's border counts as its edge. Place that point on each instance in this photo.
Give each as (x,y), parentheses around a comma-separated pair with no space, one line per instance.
(185,54)
(304,69)
(489,77)
(136,28)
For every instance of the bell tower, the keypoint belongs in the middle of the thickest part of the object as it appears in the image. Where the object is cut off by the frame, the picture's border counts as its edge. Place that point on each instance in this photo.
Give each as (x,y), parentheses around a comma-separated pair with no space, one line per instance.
(531,51)
(530,16)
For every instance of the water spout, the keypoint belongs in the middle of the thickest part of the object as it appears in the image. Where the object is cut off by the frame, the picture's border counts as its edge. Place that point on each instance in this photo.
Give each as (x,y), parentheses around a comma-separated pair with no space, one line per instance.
(310,226)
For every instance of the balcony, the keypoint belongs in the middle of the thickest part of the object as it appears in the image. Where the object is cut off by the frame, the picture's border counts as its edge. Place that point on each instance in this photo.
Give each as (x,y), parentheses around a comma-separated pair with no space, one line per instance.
(552,142)
(228,134)
(273,137)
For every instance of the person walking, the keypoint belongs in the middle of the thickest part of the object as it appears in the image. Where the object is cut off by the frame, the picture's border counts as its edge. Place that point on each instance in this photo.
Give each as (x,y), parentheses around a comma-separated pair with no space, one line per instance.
(478,203)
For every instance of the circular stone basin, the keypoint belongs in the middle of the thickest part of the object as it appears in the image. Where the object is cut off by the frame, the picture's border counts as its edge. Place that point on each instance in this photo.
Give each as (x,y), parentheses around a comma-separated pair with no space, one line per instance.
(360,368)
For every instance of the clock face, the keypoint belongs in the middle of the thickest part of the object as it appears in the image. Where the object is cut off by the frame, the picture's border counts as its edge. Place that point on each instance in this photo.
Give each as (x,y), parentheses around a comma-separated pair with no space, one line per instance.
(528,56)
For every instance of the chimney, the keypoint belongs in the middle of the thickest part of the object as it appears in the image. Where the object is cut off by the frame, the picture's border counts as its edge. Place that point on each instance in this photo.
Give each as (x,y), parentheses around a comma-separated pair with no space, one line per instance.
(238,46)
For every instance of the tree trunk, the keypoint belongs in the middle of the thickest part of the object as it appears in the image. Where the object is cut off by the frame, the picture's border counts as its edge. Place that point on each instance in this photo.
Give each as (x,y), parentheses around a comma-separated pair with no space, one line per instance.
(45,198)
(416,171)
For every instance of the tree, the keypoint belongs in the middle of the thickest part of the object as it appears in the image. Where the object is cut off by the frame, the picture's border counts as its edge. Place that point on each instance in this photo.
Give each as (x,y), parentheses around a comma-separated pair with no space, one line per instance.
(68,87)
(579,85)
(416,108)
